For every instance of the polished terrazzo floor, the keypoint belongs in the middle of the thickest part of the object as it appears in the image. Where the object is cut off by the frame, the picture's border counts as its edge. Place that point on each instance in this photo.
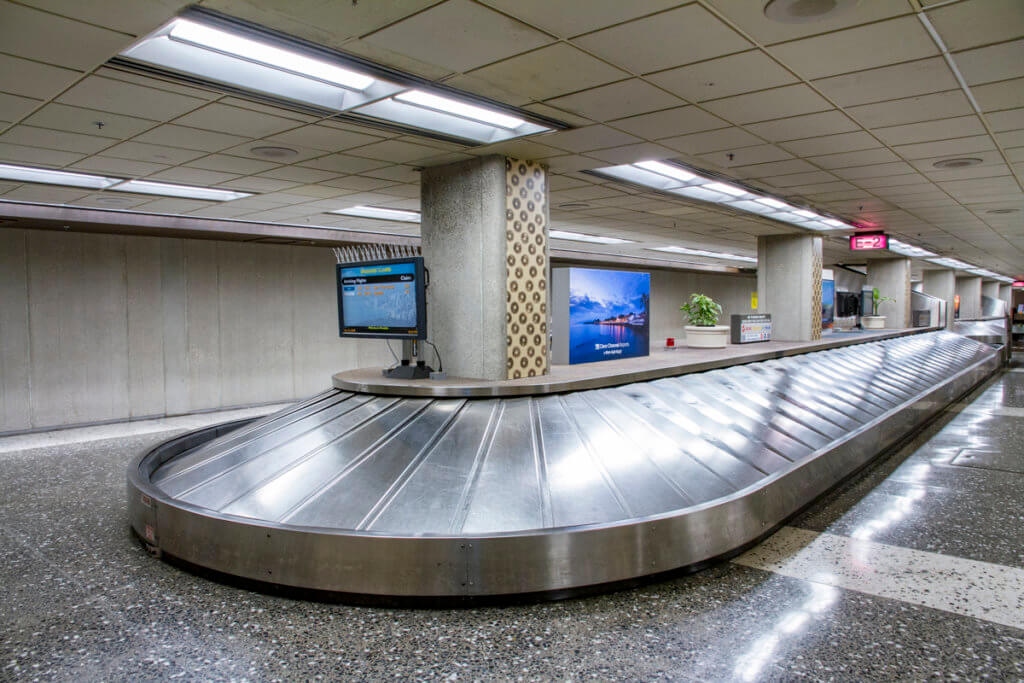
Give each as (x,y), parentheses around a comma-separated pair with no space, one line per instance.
(914,569)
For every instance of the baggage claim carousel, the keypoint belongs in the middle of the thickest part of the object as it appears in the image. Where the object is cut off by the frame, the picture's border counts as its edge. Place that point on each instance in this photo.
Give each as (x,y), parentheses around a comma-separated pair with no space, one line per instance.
(454,497)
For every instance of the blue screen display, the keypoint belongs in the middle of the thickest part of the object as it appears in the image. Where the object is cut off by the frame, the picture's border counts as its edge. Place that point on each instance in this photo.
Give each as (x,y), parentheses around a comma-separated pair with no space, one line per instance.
(379,298)
(609,314)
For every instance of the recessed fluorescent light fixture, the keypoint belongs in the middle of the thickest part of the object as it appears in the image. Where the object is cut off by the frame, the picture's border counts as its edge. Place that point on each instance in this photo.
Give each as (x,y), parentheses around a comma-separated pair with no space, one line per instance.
(580,237)
(469,111)
(667,170)
(908,249)
(50,177)
(380,213)
(950,263)
(673,179)
(251,60)
(704,252)
(172,190)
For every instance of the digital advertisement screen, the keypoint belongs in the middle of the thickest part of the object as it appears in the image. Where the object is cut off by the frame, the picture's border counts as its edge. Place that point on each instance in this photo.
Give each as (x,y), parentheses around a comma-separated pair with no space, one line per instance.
(609,314)
(381,299)
(828,303)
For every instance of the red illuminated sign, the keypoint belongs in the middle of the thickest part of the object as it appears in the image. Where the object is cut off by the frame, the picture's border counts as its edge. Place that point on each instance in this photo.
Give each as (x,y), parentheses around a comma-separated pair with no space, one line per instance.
(1018,283)
(870,240)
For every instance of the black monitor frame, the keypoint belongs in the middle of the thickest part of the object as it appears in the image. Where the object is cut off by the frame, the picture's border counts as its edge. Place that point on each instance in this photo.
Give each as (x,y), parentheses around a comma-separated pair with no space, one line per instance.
(421,301)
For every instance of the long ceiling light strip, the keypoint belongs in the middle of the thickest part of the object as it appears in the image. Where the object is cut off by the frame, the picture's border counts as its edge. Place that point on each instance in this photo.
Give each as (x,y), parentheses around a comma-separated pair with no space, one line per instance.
(909,249)
(47,176)
(581,237)
(380,213)
(684,182)
(706,253)
(204,47)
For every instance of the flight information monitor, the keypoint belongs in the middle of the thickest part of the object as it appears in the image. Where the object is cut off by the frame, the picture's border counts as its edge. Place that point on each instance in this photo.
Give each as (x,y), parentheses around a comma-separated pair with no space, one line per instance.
(382,299)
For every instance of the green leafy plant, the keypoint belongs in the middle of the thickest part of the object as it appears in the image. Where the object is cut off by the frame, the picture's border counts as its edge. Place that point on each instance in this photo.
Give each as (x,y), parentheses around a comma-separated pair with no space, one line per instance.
(877,299)
(701,310)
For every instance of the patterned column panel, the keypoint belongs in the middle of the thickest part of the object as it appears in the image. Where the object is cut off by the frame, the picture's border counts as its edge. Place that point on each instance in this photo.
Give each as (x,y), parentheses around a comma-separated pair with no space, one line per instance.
(526,233)
(816,289)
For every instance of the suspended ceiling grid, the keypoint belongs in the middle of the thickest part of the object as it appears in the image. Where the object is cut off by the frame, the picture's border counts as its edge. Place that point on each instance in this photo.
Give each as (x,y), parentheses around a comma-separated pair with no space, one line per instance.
(848,114)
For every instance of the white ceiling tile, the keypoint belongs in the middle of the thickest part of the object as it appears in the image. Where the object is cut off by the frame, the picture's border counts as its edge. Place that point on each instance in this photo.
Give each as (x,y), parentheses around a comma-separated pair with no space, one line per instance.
(832,144)
(981,187)
(944,129)
(549,72)
(629,154)
(105,94)
(670,122)
(236,121)
(474,84)
(978,22)
(807,126)
(573,162)
(725,139)
(223,210)
(574,17)
(53,39)
(756,154)
(1011,138)
(395,151)
(787,101)
(993,63)
(995,96)
(343,163)
(325,137)
(912,109)
(775,168)
(875,170)
(36,155)
(271,110)
(855,49)
(232,164)
(193,176)
(617,100)
(991,171)
(174,206)
(298,174)
(246,150)
(716,78)
(356,183)
(127,16)
(750,17)
(47,194)
(32,79)
(119,167)
(889,82)
(397,173)
(1011,119)
(52,139)
(519,149)
(945,148)
(13,107)
(402,62)
(653,43)
(862,157)
(160,154)
(189,138)
(557,114)
(587,139)
(113,200)
(473,35)
(257,184)
(78,120)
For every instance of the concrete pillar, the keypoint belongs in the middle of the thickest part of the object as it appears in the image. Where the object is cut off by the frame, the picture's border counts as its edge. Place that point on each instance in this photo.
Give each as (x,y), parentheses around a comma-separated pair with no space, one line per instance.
(789,285)
(892,278)
(1006,294)
(484,227)
(990,289)
(942,284)
(969,290)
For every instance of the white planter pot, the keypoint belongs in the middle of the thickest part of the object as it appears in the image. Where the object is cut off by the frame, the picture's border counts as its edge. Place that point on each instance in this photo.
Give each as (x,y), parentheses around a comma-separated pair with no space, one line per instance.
(715,337)
(872,322)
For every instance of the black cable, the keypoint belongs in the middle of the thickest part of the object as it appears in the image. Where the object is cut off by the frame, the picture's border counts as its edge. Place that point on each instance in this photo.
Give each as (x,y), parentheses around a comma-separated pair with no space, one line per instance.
(397,362)
(440,363)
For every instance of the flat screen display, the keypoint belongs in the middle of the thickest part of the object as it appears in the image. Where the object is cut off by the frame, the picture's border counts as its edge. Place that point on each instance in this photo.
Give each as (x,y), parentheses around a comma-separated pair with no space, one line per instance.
(384,299)
(828,303)
(609,314)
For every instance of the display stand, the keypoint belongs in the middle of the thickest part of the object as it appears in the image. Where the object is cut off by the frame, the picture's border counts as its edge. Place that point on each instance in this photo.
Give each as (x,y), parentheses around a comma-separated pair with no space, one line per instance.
(406,369)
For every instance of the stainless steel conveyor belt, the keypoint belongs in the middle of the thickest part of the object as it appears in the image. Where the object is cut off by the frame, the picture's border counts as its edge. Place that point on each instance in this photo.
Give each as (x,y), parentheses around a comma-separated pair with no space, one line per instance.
(394,496)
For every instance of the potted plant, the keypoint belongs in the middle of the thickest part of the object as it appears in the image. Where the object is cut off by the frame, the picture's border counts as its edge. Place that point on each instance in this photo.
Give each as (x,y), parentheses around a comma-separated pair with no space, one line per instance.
(702,313)
(875,321)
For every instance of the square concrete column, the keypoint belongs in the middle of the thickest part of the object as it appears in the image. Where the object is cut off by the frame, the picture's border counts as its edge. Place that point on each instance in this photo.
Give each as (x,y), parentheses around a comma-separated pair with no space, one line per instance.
(942,285)
(484,226)
(990,289)
(892,278)
(1006,294)
(969,290)
(789,285)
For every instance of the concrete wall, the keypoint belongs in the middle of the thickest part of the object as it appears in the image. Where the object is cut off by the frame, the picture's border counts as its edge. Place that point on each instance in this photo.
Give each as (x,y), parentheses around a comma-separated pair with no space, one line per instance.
(102,327)
(892,278)
(789,285)
(671,289)
(941,284)
(969,289)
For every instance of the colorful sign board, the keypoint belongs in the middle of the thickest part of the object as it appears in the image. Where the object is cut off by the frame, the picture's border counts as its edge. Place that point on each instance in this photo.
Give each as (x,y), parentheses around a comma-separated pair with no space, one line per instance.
(609,314)
(867,241)
(1018,283)
(745,329)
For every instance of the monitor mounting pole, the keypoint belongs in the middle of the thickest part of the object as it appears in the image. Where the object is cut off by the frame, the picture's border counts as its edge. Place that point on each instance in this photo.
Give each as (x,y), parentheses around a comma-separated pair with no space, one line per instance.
(406,369)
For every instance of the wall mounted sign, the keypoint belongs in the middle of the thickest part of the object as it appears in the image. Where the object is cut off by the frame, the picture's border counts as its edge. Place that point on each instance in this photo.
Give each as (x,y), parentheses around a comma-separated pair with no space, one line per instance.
(745,329)
(609,314)
(867,241)
(1018,283)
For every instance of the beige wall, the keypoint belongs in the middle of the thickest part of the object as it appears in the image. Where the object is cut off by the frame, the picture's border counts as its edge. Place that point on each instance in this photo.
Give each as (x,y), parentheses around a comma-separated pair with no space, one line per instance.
(671,289)
(104,327)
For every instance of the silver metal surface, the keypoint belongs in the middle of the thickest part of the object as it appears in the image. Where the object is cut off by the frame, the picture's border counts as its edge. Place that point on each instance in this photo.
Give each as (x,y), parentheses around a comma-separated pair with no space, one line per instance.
(392,496)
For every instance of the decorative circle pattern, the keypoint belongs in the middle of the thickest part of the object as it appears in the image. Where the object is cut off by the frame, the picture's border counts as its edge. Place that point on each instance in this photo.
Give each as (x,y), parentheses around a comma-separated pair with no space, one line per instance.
(526,211)
(816,290)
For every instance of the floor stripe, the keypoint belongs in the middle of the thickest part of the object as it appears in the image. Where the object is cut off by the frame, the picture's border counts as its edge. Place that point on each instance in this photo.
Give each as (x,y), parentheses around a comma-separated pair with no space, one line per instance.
(63,437)
(1016,370)
(1003,411)
(982,590)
